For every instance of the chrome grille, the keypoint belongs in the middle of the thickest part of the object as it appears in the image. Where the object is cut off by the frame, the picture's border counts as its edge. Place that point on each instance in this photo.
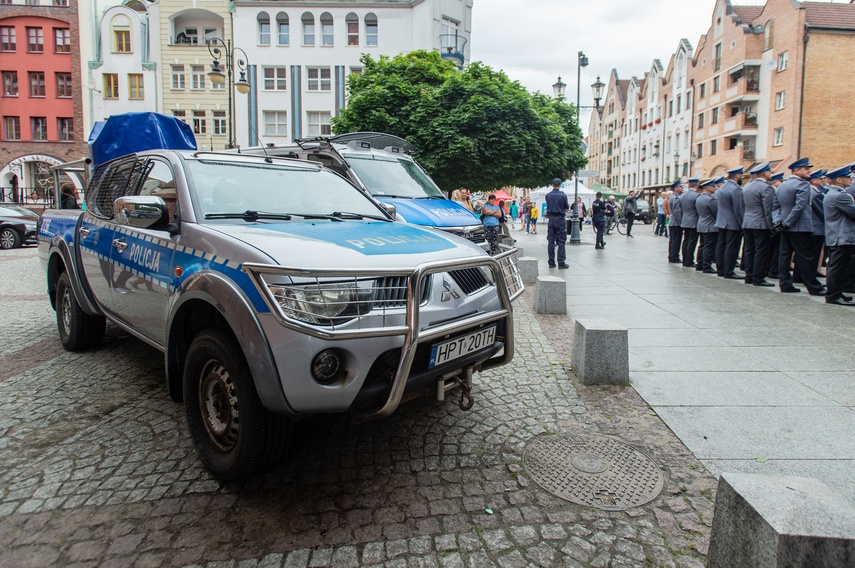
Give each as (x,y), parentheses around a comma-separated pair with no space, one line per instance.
(391,292)
(470,279)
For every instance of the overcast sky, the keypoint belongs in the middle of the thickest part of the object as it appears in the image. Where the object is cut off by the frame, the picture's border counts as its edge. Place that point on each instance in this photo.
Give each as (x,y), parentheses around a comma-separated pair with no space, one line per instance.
(535,41)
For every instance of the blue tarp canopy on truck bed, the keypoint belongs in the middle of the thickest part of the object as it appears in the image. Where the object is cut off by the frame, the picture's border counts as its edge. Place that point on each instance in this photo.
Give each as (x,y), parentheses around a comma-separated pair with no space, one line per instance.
(123,134)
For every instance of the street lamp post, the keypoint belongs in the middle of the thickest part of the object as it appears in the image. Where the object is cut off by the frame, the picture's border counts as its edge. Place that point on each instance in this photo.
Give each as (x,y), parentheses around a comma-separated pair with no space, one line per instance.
(218,77)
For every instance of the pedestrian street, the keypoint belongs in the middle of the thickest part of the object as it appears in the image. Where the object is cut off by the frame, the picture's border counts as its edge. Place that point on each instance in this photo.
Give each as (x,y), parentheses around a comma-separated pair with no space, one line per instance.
(751,380)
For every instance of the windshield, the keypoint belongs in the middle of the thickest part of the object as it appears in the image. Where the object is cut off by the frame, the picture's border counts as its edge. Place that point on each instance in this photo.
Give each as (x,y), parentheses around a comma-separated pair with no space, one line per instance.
(391,176)
(15,211)
(238,187)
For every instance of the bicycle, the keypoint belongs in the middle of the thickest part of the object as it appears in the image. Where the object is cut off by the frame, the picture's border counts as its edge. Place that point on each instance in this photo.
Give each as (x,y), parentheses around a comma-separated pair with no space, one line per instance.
(618,222)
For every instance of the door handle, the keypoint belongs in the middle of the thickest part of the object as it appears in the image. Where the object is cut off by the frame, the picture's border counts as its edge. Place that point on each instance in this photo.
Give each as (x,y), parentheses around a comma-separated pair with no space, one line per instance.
(84,232)
(120,244)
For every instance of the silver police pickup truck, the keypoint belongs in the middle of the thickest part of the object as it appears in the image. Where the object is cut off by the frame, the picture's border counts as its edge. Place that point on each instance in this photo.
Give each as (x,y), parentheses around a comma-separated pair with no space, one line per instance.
(275,290)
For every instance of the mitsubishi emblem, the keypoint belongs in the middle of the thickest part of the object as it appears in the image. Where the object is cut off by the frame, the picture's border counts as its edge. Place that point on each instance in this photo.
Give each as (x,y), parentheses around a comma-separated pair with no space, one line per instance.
(449,292)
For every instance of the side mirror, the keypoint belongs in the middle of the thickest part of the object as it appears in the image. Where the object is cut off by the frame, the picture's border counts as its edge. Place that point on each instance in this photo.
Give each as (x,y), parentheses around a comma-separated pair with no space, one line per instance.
(390,209)
(141,211)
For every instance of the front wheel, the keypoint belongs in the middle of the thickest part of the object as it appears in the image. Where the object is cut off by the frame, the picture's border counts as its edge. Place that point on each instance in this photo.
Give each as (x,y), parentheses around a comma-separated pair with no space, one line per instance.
(621,226)
(234,435)
(10,238)
(77,329)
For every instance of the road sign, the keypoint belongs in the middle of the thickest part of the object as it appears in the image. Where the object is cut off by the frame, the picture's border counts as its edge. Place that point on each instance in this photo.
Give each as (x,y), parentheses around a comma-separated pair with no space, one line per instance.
(587,174)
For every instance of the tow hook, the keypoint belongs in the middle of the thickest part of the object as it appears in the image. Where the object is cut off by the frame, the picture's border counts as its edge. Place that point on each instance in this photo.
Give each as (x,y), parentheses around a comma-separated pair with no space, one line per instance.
(466,400)
(456,380)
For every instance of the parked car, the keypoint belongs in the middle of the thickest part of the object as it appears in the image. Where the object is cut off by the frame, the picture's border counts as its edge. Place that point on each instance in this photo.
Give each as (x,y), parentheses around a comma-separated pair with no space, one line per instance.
(17,226)
(644,212)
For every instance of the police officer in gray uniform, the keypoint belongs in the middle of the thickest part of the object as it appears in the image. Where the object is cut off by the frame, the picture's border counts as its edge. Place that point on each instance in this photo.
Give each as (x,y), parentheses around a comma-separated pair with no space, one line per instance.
(758,202)
(689,223)
(839,209)
(796,230)
(707,212)
(775,241)
(675,205)
(729,223)
(817,220)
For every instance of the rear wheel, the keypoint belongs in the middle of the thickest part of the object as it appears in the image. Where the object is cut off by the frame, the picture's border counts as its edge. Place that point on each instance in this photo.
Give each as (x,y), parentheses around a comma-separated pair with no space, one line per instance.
(621,226)
(234,435)
(10,238)
(77,329)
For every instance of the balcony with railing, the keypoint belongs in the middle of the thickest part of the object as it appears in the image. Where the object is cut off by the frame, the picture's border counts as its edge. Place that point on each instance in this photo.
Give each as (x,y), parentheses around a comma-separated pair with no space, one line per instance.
(195,28)
(453,48)
(743,84)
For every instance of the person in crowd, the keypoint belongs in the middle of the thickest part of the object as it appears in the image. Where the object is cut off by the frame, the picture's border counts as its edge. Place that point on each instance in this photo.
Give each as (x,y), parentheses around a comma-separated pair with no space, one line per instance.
(491,214)
(610,213)
(578,210)
(758,200)
(661,218)
(598,217)
(689,223)
(817,182)
(69,196)
(708,233)
(729,223)
(535,213)
(513,213)
(462,197)
(556,229)
(775,240)
(839,214)
(794,222)
(503,220)
(631,208)
(675,212)
(527,215)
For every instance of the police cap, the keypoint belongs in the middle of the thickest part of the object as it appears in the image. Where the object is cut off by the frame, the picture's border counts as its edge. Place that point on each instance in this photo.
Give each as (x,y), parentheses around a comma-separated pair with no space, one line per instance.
(760,168)
(801,163)
(556,181)
(816,174)
(736,170)
(777,176)
(839,172)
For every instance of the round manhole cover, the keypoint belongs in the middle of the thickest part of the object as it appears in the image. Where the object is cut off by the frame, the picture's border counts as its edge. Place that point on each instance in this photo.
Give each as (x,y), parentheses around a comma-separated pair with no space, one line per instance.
(593,470)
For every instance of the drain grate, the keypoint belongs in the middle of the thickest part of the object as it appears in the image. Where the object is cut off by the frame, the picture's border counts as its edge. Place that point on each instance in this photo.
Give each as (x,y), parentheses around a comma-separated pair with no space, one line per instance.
(593,470)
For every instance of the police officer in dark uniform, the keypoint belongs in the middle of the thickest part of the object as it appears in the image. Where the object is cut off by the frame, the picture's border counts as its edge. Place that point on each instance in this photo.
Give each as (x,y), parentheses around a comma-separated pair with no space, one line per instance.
(675,205)
(839,210)
(556,229)
(598,217)
(729,223)
(794,222)
(758,199)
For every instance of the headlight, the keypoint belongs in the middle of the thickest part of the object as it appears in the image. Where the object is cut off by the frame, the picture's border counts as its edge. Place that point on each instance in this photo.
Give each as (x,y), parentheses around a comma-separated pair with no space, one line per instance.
(323,304)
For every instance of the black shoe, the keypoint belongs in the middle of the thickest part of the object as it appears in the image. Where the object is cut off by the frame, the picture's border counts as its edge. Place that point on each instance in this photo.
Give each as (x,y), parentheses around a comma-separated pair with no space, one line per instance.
(690,265)
(678,261)
(847,298)
(709,271)
(563,266)
(840,302)
(817,292)
(820,275)
(749,282)
(551,265)
(792,290)
(764,283)
(699,268)
(732,277)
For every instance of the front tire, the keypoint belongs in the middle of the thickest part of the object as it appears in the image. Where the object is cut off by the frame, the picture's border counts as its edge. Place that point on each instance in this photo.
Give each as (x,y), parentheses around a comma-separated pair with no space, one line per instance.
(10,239)
(234,435)
(77,329)
(621,226)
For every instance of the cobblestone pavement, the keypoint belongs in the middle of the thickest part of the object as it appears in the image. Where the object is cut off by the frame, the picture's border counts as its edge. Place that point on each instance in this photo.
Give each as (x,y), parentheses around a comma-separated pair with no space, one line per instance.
(98,469)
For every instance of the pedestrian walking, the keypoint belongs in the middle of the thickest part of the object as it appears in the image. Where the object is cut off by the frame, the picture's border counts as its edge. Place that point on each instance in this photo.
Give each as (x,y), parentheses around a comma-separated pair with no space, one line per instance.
(527,215)
(578,211)
(661,224)
(490,216)
(707,208)
(689,223)
(513,213)
(729,223)
(610,212)
(839,214)
(630,210)
(794,221)
(556,228)
(675,211)
(598,218)
(535,213)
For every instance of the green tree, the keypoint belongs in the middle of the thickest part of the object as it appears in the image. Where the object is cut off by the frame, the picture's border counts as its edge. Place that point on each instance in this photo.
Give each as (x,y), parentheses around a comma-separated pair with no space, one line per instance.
(474,128)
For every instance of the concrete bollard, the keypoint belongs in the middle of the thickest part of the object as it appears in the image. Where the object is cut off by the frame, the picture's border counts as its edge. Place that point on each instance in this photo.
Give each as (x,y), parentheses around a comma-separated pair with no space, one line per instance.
(550,295)
(528,269)
(600,352)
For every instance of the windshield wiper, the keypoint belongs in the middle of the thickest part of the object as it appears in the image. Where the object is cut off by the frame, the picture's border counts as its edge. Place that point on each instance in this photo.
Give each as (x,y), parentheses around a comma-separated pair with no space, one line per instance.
(430,197)
(249,216)
(349,215)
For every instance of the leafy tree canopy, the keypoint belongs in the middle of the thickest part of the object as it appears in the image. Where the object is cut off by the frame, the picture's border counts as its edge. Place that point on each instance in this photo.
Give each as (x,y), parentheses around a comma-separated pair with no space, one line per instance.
(474,128)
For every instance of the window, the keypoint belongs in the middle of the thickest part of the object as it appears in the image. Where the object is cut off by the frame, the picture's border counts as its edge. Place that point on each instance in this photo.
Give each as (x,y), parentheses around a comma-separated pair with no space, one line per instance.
(7,38)
(219,122)
(60,2)
(197,77)
(62,40)
(65,127)
(136,89)
(700,150)
(35,40)
(200,124)
(274,78)
(356,70)
(318,79)
(703,92)
(769,35)
(275,123)
(677,141)
(180,115)
(38,125)
(177,76)
(63,85)
(716,84)
(689,101)
(686,138)
(371,33)
(783,61)
(717,57)
(37,84)
(714,117)
(352,22)
(670,108)
(679,102)
(780,100)
(121,41)
(283,29)
(308,29)
(327,37)
(111,85)
(778,137)
(10,83)
(263,28)
(713,147)
(700,120)
(12,127)
(319,124)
